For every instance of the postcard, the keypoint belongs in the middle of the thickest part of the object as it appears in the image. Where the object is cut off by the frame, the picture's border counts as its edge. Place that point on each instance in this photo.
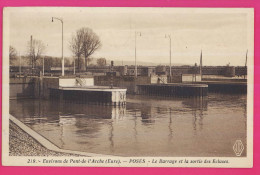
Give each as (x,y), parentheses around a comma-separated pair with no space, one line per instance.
(128,87)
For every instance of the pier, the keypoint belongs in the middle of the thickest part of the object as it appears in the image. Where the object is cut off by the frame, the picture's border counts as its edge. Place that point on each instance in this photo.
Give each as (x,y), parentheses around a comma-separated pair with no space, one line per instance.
(82,90)
(232,87)
(98,95)
(173,90)
(74,89)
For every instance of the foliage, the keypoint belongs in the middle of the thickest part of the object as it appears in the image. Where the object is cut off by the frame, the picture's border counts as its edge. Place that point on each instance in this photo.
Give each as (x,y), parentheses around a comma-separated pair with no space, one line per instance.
(101,62)
(12,55)
(35,49)
(84,43)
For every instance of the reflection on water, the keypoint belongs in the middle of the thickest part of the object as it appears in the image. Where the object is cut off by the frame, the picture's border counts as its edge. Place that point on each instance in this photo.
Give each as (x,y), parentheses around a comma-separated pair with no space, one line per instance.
(147,126)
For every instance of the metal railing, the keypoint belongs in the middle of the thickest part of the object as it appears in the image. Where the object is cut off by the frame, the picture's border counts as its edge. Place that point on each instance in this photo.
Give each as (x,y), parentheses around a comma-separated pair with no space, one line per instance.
(81,81)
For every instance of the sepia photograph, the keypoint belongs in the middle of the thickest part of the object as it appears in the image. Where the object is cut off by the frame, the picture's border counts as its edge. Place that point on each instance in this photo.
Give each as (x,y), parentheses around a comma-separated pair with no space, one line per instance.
(128,86)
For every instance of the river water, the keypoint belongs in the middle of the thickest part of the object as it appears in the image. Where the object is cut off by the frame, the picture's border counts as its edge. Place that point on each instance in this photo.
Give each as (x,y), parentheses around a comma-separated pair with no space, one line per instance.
(147,126)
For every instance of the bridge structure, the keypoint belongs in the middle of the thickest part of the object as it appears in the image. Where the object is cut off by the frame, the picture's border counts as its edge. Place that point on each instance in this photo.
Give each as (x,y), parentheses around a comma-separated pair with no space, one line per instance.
(79,90)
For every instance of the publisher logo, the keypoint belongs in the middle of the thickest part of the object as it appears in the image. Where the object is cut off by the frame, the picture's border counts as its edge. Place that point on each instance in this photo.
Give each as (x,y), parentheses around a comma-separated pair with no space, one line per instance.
(238,147)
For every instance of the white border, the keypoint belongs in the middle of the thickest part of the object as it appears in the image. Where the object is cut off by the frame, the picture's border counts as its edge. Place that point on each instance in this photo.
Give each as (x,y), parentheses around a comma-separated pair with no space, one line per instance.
(238,162)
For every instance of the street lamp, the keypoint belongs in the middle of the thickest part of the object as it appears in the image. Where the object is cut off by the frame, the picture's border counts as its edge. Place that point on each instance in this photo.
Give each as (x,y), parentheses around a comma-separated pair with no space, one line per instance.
(74,67)
(136,33)
(43,65)
(61,43)
(169,36)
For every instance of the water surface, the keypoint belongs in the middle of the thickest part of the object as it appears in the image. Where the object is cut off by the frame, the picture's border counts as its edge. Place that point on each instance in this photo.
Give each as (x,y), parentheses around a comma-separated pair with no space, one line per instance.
(147,126)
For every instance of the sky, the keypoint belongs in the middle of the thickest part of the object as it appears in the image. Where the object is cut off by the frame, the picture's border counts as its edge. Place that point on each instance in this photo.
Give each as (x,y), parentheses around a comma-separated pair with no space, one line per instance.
(223,36)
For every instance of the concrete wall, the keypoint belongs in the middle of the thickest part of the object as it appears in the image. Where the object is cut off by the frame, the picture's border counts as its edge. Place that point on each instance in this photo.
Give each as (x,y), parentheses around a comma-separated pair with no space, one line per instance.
(125,82)
(48,83)
(68,82)
(175,79)
(119,97)
(128,82)
(113,97)
(41,86)
(21,88)
(71,82)
(32,87)
(191,78)
(184,78)
(44,84)
(159,79)
(174,90)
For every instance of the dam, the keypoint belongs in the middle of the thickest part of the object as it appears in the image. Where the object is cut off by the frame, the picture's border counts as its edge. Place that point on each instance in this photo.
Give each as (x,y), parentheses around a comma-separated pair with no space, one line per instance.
(173,90)
(75,89)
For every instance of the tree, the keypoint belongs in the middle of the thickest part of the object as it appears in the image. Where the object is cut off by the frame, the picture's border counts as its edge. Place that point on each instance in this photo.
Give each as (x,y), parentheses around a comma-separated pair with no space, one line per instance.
(89,59)
(84,43)
(101,62)
(48,62)
(67,62)
(12,55)
(76,46)
(90,44)
(35,50)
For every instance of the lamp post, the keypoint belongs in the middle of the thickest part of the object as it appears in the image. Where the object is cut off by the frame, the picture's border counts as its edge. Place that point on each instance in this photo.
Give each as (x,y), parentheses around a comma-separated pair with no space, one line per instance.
(61,43)
(136,33)
(74,68)
(20,67)
(169,36)
(246,64)
(43,65)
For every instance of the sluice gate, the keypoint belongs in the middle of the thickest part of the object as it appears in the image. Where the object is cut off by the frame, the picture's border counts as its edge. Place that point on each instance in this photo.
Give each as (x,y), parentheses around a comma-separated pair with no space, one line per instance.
(173,90)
